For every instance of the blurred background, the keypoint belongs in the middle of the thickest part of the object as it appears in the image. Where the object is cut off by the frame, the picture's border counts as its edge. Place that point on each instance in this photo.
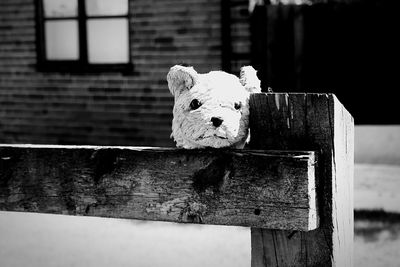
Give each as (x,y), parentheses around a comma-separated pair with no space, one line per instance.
(93,72)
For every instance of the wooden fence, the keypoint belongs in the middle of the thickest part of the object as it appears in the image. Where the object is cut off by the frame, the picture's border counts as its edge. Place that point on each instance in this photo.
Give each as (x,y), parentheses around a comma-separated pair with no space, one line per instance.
(293,187)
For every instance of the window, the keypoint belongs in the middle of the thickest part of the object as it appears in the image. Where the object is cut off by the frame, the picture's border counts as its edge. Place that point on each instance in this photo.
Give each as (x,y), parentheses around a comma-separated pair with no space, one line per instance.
(83,35)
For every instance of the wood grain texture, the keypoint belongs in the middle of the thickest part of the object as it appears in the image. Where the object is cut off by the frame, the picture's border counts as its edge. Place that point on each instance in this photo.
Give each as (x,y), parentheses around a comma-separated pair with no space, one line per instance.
(309,122)
(268,189)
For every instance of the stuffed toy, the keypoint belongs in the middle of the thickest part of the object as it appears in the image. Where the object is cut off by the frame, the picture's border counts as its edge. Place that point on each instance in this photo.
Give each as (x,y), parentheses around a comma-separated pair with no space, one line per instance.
(211,109)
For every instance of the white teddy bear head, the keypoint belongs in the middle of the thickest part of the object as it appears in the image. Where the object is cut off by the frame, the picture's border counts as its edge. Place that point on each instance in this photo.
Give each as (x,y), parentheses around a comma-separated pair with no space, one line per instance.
(211,109)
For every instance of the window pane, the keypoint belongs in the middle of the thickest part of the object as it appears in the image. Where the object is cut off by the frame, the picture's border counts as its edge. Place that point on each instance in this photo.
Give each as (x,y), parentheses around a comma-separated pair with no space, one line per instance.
(106,7)
(60,8)
(108,41)
(61,38)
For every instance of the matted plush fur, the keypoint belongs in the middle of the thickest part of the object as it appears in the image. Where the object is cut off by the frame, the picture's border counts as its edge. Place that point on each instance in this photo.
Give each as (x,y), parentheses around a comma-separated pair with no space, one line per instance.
(211,109)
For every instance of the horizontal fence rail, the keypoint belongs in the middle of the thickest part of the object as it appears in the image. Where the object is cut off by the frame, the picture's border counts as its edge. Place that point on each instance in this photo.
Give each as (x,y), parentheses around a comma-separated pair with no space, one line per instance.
(265,189)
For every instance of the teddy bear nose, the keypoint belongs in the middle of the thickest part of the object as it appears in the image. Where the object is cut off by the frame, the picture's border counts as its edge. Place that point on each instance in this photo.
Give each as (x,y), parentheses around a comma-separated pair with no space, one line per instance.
(216,121)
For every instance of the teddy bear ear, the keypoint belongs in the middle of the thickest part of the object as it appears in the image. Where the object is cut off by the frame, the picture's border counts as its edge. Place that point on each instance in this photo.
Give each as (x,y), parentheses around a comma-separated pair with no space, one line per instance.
(181,78)
(249,79)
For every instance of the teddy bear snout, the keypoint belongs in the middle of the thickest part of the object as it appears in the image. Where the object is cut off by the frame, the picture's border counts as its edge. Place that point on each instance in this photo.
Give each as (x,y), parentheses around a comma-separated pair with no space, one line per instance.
(216,121)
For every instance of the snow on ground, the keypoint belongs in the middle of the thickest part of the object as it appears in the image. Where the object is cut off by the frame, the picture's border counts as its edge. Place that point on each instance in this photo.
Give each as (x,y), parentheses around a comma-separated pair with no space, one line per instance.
(377,240)
(376,244)
(377,187)
(42,240)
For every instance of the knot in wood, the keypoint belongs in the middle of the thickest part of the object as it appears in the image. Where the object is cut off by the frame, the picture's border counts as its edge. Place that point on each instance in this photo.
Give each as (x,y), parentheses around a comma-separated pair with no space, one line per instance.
(194,212)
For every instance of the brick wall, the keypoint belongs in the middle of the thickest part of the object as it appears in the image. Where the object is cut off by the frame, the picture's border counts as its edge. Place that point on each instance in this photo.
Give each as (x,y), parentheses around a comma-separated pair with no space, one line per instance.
(106,108)
(240,35)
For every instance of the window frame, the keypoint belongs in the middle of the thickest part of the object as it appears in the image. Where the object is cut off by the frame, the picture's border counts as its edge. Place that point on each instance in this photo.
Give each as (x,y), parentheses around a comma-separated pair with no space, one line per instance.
(82,64)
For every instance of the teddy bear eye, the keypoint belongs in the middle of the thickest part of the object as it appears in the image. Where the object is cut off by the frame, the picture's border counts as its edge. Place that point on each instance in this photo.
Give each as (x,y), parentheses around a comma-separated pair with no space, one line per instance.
(238,105)
(195,104)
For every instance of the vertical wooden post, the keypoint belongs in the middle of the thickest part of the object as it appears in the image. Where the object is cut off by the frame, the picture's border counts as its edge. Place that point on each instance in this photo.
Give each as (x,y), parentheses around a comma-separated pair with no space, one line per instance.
(309,122)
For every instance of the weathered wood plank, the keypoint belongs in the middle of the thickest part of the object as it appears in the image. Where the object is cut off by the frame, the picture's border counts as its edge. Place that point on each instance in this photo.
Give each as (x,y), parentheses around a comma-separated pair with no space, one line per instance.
(309,122)
(266,189)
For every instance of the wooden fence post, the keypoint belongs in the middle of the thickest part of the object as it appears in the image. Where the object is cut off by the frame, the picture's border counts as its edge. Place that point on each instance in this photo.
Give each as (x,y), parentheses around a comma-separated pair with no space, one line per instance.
(316,122)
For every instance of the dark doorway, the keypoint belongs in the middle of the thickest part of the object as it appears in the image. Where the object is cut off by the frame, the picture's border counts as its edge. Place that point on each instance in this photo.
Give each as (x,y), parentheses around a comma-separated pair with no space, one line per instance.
(350,49)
